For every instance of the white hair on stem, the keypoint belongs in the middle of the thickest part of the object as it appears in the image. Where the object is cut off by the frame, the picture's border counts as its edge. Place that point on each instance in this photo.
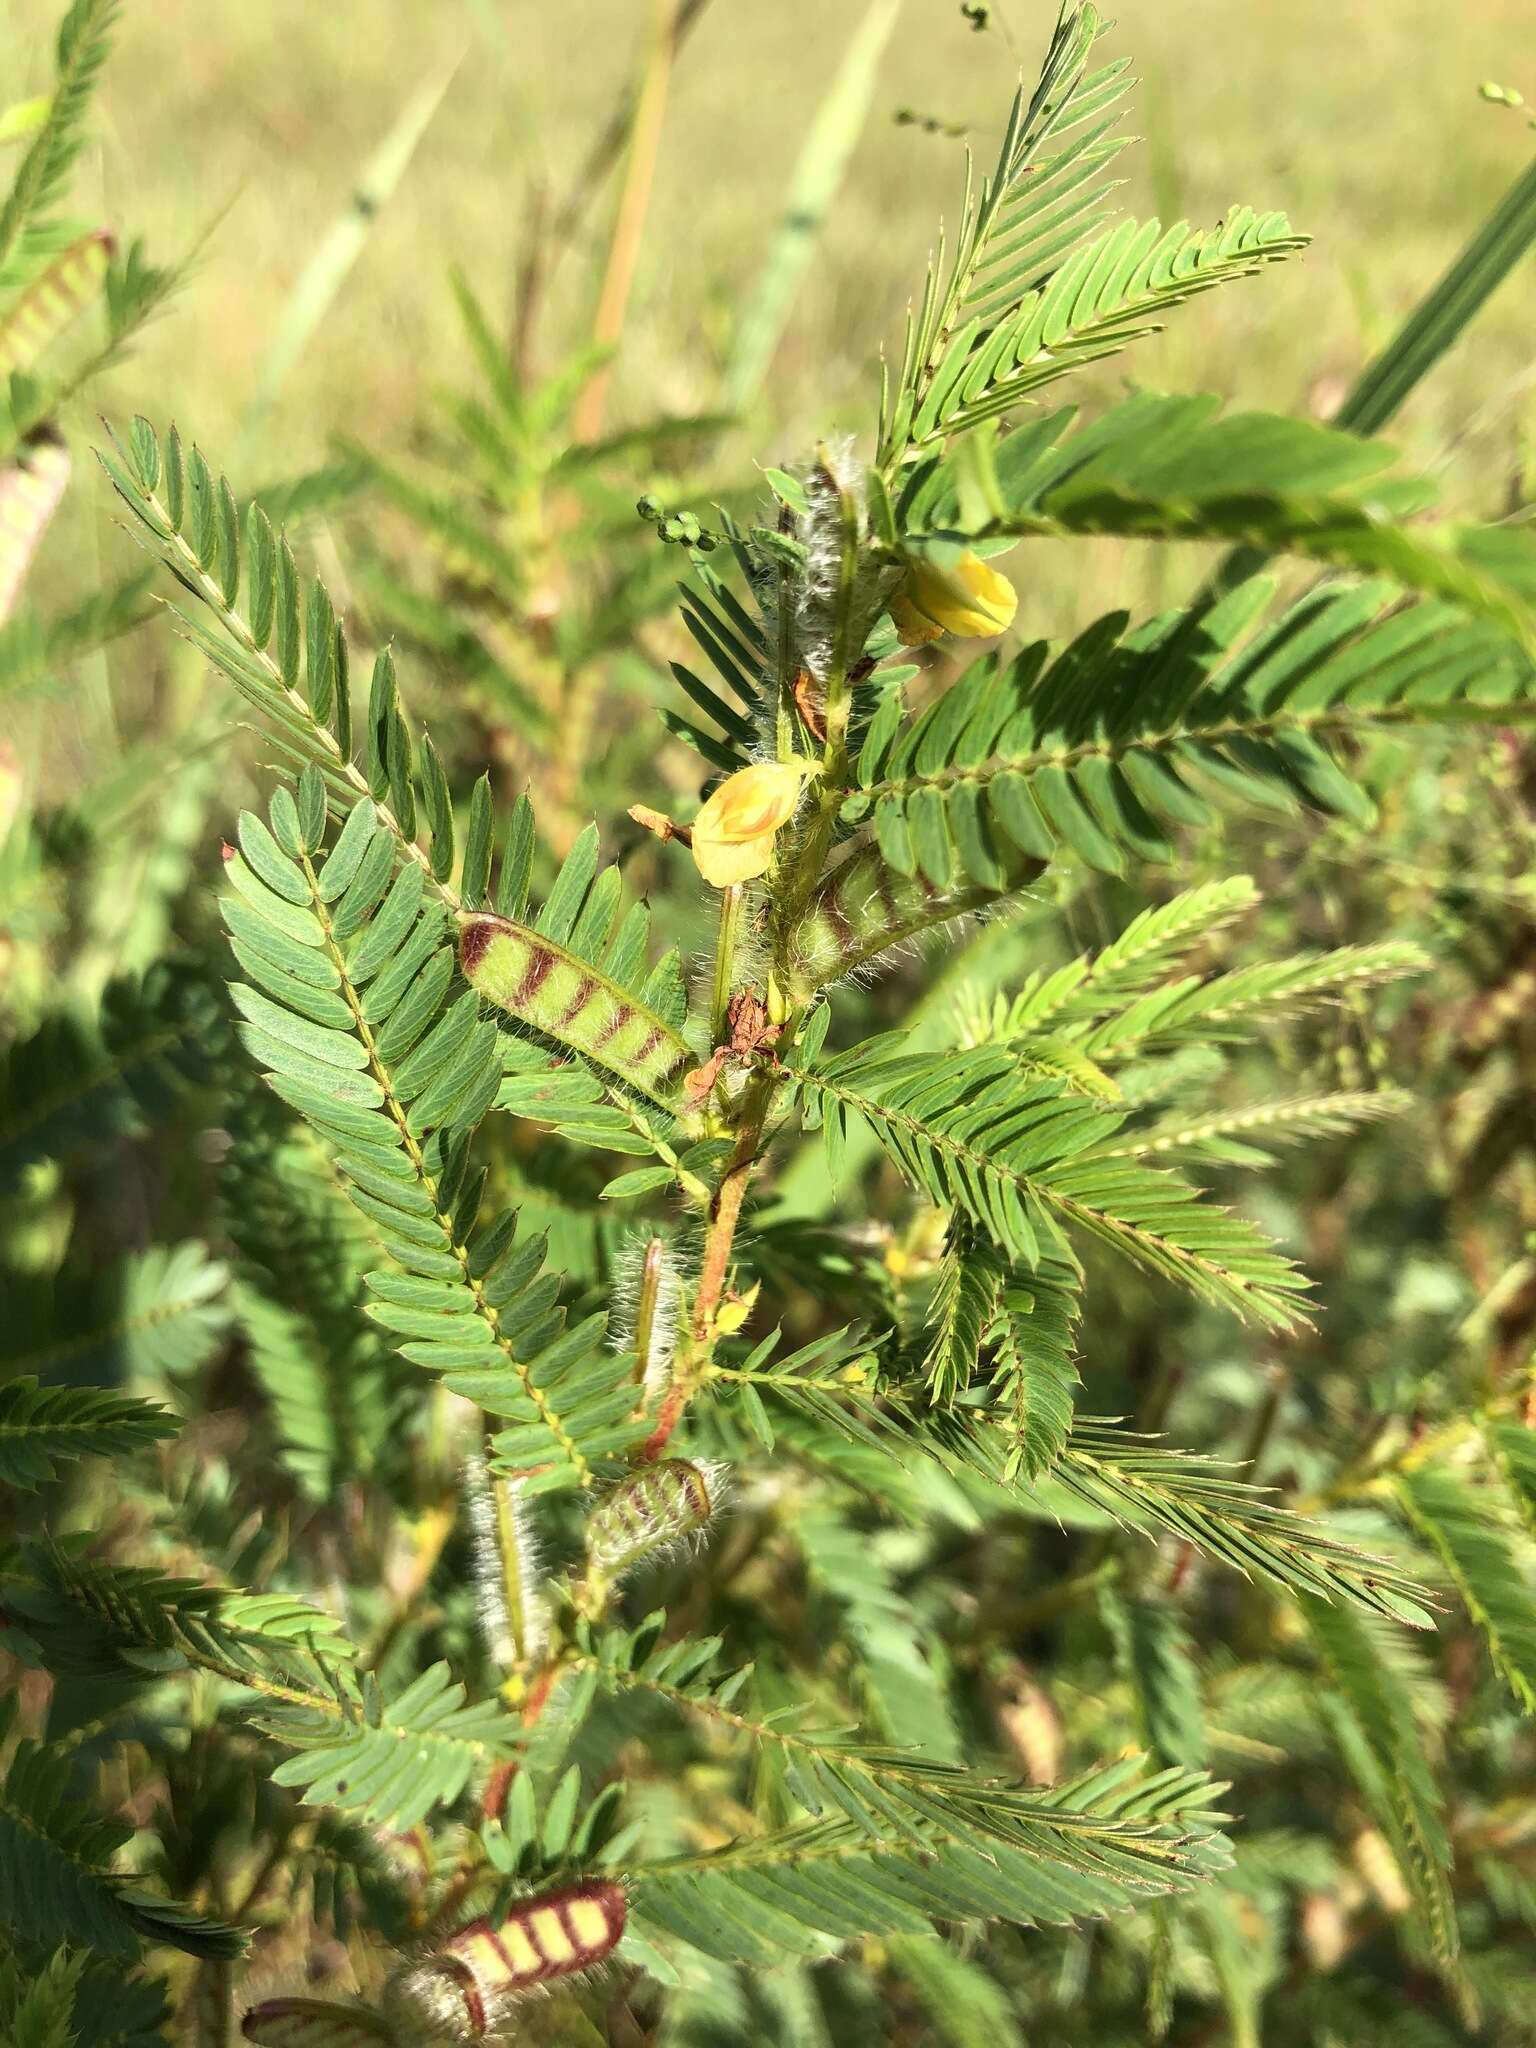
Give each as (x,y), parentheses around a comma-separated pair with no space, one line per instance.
(647,1300)
(509,1572)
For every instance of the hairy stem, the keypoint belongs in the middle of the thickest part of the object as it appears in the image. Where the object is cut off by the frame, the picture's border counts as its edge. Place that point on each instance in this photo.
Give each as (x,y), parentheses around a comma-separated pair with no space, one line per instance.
(726,1214)
(696,1348)
(732,901)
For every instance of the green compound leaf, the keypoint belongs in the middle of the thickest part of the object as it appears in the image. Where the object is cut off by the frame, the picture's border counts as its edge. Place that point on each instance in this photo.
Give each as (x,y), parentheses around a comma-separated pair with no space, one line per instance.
(56,1879)
(1027,1162)
(1176,469)
(355,1012)
(394,1758)
(42,1426)
(1130,734)
(1471,1529)
(580,978)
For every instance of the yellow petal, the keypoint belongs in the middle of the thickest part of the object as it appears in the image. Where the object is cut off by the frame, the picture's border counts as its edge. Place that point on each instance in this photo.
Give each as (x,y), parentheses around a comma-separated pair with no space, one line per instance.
(733,834)
(914,629)
(722,862)
(969,599)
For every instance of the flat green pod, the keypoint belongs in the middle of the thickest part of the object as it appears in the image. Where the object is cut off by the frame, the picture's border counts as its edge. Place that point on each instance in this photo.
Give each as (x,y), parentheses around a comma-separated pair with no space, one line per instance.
(537,981)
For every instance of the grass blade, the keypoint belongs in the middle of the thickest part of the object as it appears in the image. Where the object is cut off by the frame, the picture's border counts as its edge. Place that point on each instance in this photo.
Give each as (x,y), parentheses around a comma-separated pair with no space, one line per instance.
(818,174)
(1440,319)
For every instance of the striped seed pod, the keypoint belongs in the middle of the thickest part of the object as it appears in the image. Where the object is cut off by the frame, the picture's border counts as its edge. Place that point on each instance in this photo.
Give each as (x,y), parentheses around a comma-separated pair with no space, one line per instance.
(314,2023)
(460,1992)
(549,988)
(864,908)
(54,297)
(30,490)
(655,1506)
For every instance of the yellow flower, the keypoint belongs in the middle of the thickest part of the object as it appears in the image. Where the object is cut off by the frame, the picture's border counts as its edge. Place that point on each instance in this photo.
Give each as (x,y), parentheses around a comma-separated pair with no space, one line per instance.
(734,833)
(967,599)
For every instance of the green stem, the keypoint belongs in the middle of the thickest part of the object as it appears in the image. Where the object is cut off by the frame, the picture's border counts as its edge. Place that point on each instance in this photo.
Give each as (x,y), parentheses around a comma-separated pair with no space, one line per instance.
(731,902)
(213,2001)
(1265,1417)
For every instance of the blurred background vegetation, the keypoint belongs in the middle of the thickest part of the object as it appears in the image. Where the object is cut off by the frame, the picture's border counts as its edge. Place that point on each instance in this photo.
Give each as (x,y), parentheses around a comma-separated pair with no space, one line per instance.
(309,349)
(324,171)
(305,322)
(1361,119)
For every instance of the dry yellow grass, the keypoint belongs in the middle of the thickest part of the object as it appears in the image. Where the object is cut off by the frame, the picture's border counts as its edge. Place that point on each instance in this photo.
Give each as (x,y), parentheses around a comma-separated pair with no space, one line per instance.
(1359,117)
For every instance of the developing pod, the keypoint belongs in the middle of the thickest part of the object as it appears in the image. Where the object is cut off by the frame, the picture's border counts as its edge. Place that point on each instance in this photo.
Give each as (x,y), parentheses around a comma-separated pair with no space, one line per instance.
(456,1995)
(864,907)
(313,2023)
(540,982)
(656,1506)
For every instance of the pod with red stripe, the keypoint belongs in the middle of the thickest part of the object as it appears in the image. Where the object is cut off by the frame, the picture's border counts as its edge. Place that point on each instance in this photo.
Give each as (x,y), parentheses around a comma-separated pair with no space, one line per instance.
(545,985)
(460,1991)
(864,908)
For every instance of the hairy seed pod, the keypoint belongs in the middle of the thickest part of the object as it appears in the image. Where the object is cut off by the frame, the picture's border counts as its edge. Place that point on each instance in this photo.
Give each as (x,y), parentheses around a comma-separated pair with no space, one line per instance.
(460,1991)
(864,907)
(551,989)
(647,1292)
(426,2005)
(314,2023)
(509,1574)
(653,1507)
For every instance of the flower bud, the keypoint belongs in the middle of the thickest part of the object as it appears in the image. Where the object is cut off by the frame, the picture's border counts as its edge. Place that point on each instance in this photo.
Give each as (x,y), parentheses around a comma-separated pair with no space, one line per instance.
(735,1311)
(965,598)
(734,833)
